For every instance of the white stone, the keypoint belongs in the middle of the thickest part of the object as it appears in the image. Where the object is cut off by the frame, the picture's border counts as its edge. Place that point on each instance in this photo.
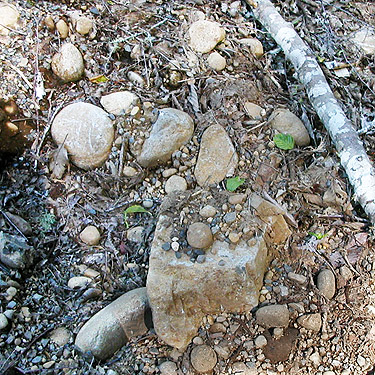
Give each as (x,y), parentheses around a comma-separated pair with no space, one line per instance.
(3,318)
(172,129)
(364,39)
(216,61)
(86,132)
(9,17)
(62,28)
(217,157)
(315,358)
(119,103)
(260,341)
(298,278)
(78,282)
(168,368)
(60,336)
(175,183)
(84,25)
(67,64)
(129,171)
(205,35)
(90,235)
(255,46)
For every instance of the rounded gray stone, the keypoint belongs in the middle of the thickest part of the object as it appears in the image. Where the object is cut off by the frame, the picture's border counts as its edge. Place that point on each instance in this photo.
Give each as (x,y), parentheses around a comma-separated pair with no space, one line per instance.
(273,316)
(67,64)
(326,283)
(203,358)
(110,328)
(199,235)
(86,132)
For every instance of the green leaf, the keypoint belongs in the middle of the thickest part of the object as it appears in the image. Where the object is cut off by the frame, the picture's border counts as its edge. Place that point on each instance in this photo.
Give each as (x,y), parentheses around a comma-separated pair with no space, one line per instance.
(233,183)
(132,210)
(284,141)
(318,236)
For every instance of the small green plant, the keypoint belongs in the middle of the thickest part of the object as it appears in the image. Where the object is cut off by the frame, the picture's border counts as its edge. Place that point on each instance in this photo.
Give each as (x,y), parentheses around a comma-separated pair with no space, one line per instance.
(132,210)
(284,141)
(233,183)
(318,236)
(46,222)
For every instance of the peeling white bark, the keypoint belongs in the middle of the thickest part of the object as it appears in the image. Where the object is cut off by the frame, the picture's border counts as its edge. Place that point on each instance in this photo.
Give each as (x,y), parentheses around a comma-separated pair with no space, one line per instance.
(352,154)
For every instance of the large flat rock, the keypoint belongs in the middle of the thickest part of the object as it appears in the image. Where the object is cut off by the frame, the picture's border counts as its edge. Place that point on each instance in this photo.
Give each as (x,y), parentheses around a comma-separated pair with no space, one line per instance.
(181,291)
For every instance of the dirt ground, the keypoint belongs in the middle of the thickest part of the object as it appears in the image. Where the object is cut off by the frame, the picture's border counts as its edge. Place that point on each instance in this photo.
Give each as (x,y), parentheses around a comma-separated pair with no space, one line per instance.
(309,182)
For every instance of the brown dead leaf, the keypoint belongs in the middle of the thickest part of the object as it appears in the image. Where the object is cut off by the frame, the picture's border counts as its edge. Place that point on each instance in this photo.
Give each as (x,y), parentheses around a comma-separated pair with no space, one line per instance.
(58,163)
(314,199)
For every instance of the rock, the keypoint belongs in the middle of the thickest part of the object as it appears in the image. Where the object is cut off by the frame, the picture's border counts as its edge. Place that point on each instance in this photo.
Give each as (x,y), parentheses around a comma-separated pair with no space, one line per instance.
(20,223)
(315,359)
(9,17)
(79,282)
(260,341)
(62,28)
(110,328)
(287,122)
(60,336)
(365,40)
(253,110)
(169,172)
(175,183)
(135,234)
(205,35)
(90,235)
(223,349)
(136,79)
(172,129)
(326,283)
(255,46)
(15,252)
(199,235)
(86,132)
(312,322)
(273,316)
(207,211)
(67,64)
(181,293)
(84,25)
(278,350)
(346,273)
(3,318)
(168,368)
(299,279)
(49,23)
(216,61)
(217,157)
(119,103)
(240,368)
(237,198)
(230,217)
(203,358)
(274,216)
(129,171)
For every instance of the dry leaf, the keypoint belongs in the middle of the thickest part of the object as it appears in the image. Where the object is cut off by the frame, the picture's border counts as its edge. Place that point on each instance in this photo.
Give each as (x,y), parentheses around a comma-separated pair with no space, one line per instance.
(59,162)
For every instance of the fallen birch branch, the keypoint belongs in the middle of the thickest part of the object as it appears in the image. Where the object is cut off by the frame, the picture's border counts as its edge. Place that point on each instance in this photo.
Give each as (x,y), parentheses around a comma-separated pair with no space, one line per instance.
(354,159)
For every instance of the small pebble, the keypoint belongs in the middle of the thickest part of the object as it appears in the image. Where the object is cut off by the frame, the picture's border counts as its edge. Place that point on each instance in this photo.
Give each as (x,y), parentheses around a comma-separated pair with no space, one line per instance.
(147,203)
(203,358)
(201,258)
(260,341)
(299,279)
(326,283)
(90,235)
(3,321)
(166,246)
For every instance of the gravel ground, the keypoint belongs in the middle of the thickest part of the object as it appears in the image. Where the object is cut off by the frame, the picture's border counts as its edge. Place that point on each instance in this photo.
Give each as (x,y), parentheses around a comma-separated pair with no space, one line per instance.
(140,46)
